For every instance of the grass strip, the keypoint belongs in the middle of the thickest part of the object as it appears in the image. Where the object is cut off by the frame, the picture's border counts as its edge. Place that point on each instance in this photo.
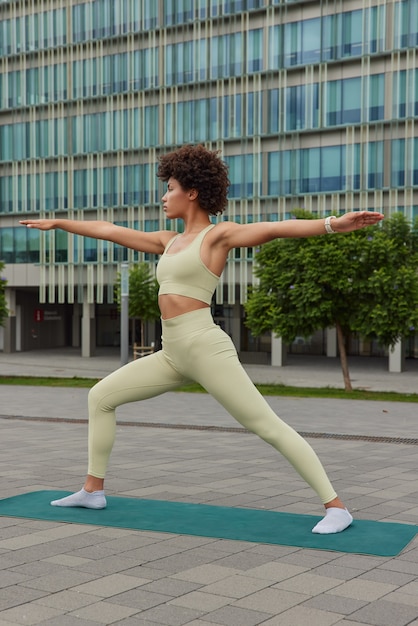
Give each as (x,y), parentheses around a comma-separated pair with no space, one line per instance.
(266,390)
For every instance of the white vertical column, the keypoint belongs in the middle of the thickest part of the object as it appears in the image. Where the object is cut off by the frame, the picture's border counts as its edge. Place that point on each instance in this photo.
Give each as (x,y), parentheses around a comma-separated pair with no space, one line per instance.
(278,351)
(88,328)
(9,334)
(331,337)
(397,357)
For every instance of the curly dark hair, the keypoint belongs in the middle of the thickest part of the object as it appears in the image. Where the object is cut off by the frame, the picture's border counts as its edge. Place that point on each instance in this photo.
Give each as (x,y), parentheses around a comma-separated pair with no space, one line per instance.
(195,167)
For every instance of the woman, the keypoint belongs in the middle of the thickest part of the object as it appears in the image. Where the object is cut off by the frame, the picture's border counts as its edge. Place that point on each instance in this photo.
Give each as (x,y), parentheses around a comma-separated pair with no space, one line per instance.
(193,346)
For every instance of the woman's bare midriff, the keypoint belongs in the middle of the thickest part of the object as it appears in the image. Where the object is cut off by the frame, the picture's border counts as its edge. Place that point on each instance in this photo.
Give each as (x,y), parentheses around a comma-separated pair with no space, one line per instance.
(172,305)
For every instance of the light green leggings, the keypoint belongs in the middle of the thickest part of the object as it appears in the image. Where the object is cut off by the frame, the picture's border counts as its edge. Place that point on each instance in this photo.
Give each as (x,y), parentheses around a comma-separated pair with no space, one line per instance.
(196,349)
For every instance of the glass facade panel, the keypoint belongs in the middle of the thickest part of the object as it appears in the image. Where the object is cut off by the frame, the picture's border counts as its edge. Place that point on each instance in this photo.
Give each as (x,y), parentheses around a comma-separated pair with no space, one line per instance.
(344,101)
(255,51)
(376,108)
(295,107)
(406,24)
(375,153)
(7,249)
(405,93)
(398,163)
(350,30)
(241,175)
(273,110)
(226,54)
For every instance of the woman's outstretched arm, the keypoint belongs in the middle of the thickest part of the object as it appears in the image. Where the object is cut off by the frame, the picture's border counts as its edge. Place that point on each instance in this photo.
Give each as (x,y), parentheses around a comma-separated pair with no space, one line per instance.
(153,242)
(237,235)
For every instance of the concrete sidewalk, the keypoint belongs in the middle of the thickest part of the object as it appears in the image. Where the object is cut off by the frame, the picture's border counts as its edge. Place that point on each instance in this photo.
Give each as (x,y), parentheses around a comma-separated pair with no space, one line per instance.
(74,575)
(310,371)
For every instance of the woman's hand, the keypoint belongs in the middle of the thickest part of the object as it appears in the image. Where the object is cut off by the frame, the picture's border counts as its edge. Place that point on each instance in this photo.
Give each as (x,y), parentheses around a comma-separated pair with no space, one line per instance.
(40,224)
(354,221)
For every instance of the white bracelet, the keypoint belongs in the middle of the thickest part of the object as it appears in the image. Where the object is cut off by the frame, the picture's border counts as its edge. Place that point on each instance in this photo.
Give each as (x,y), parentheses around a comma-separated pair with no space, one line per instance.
(328,226)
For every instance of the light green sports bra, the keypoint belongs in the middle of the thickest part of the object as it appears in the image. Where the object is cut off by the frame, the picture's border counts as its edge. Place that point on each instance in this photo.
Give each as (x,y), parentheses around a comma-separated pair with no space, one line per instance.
(184,272)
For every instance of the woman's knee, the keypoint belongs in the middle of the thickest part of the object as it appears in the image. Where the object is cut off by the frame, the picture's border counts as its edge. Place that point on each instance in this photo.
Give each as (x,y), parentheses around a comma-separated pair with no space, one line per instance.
(96,398)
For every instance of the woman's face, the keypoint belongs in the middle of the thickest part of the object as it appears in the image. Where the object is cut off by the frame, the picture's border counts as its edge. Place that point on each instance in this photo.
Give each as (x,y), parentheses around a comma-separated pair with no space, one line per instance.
(175,200)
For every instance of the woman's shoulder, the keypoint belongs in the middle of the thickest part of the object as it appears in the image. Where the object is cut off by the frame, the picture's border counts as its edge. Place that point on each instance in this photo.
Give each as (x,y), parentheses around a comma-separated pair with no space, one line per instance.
(222,229)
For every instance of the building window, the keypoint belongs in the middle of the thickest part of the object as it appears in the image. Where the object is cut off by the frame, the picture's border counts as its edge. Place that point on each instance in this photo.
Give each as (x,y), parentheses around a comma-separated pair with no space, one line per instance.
(398,163)
(241,175)
(19,245)
(343,101)
(226,54)
(406,24)
(376,100)
(374,159)
(302,42)
(302,107)
(255,50)
(405,93)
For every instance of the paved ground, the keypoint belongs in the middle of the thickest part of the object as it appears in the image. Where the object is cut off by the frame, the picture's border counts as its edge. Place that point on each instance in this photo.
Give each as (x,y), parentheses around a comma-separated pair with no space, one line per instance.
(64,575)
(366,373)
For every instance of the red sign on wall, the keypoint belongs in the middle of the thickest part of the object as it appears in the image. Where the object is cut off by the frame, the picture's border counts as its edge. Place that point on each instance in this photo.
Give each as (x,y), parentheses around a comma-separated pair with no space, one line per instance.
(38,315)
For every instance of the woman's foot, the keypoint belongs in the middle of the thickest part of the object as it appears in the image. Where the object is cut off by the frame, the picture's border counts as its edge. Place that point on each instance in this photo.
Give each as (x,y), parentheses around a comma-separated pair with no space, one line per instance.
(83,498)
(335,521)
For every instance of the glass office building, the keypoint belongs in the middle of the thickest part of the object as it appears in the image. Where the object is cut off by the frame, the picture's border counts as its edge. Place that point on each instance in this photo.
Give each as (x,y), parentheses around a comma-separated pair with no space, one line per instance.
(312,104)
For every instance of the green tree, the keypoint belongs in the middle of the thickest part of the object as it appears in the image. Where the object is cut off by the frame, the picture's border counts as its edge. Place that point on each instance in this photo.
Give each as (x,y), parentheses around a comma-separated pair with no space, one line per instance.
(3,306)
(365,281)
(143,297)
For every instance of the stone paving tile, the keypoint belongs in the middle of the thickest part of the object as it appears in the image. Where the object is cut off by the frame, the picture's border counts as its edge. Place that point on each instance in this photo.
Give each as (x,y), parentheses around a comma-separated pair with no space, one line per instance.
(400,565)
(184,560)
(234,615)
(195,622)
(57,582)
(170,587)
(143,571)
(243,560)
(275,572)
(362,590)
(103,612)
(107,586)
(309,584)
(37,569)
(200,601)
(339,573)
(13,596)
(335,604)
(139,599)
(8,578)
(399,597)
(67,620)
(301,615)
(386,576)
(67,600)
(108,565)
(206,574)
(271,600)
(67,560)
(137,620)
(237,586)
(30,614)
(383,613)
(171,615)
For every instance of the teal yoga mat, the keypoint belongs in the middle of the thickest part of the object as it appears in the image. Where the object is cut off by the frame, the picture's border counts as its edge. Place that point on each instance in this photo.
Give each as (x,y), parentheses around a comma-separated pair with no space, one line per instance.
(239,524)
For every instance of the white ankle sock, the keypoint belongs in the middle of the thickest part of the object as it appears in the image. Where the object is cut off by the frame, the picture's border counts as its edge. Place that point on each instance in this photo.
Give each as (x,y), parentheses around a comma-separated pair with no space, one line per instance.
(94,500)
(335,521)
